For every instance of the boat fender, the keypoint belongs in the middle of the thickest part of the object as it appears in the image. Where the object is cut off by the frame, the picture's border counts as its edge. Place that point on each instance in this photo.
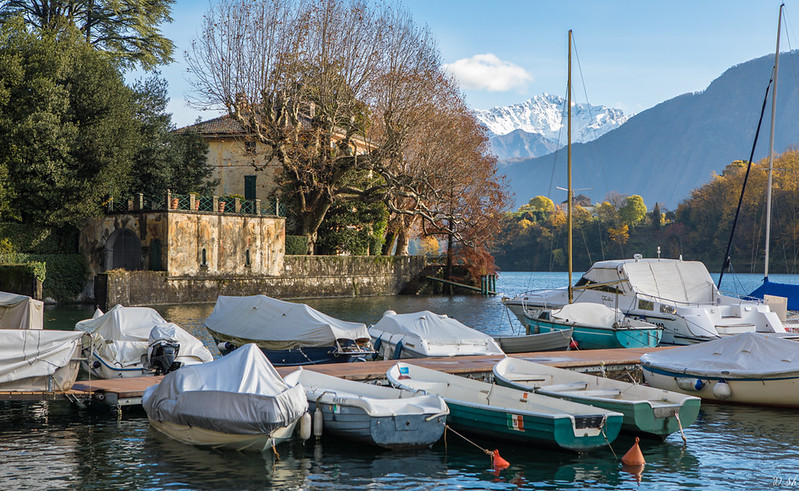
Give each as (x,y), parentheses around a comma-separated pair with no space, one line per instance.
(224,346)
(378,344)
(689,383)
(398,350)
(305,426)
(96,364)
(318,422)
(722,390)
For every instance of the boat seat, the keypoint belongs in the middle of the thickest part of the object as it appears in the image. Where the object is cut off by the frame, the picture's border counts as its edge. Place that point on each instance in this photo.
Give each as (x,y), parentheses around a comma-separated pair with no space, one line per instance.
(606,393)
(566,387)
(527,377)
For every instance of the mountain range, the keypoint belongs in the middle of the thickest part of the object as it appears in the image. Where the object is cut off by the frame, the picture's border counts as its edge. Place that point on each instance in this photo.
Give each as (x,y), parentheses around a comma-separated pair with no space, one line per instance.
(665,152)
(537,126)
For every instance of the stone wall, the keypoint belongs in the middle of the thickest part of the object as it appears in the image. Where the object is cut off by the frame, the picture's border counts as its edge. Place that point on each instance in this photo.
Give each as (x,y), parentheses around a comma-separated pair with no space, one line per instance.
(303,277)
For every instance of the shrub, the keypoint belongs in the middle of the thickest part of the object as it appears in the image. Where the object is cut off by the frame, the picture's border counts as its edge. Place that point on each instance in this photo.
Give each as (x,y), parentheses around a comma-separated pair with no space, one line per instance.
(296,245)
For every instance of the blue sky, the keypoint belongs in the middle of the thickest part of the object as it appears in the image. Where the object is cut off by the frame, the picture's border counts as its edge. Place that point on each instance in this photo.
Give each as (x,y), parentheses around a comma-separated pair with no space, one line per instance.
(633,54)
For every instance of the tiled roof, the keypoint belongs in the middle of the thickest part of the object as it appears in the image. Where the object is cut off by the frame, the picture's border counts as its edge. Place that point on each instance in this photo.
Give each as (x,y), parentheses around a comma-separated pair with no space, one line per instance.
(223,125)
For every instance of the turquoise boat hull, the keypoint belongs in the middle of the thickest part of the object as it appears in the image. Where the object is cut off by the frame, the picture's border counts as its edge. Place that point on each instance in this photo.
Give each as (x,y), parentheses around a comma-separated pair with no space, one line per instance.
(597,337)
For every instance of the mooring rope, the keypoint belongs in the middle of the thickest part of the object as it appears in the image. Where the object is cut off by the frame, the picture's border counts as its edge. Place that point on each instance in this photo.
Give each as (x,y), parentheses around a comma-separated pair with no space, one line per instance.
(679,423)
(609,445)
(490,453)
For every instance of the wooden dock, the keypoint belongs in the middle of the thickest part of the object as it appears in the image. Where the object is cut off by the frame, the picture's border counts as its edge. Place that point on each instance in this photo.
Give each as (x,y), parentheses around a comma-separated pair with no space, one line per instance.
(128,391)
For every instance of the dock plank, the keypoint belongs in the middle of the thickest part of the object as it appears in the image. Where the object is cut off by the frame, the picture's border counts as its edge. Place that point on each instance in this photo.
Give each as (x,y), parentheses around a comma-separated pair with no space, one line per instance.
(130,390)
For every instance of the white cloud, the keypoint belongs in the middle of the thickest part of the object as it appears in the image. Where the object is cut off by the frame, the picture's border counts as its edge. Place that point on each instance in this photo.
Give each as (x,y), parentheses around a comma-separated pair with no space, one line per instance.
(487,72)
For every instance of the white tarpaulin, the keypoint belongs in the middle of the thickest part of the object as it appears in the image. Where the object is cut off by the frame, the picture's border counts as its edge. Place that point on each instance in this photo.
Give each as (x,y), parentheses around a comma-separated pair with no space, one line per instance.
(121,336)
(668,279)
(275,324)
(240,393)
(749,355)
(20,312)
(434,329)
(29,356)
(587,314)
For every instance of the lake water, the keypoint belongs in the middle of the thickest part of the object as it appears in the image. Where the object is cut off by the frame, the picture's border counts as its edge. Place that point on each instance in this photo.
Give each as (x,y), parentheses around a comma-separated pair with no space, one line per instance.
(52,445)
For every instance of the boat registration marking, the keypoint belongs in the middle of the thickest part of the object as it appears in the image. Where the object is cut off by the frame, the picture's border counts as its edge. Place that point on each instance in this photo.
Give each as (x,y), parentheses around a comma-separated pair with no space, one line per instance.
(515,422)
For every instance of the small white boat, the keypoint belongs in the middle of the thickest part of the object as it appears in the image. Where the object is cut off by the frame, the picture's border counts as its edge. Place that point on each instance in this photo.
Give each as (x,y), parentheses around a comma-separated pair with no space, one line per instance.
(424,334)
(20,312)
(238,402)
(383,416)
(557,340)
(137,341)
(39,360)
(498,412)
(748,368)
(646,410)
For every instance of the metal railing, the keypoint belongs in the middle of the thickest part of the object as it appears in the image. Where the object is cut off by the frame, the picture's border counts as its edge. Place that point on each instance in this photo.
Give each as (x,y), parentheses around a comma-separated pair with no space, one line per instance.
(196,203)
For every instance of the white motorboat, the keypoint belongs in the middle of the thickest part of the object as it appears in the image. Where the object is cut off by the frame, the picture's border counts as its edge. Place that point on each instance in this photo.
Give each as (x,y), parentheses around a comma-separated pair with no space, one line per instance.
(748,369)
(383,416)
(423,334)
(677,295)
(39,360)
(238,401)
(137,341)
(20,312)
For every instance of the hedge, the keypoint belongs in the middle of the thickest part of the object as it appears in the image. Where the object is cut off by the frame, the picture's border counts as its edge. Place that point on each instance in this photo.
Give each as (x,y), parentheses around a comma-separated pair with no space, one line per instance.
(63,275)
(296,245)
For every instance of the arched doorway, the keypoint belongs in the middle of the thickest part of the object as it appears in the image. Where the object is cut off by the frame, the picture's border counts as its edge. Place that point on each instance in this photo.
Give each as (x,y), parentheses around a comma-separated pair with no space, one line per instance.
(123,251)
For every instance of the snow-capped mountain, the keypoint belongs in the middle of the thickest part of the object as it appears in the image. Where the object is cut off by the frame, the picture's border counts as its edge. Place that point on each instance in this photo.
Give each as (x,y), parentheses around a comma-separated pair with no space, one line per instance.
(545,115)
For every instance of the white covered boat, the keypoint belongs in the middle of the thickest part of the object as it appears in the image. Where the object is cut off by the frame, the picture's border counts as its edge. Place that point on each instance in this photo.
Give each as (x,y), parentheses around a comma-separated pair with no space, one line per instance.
(39,360)
(423,334)
(677,295)
(383,416)
(288,333)
(20,312)
(748,369)
(131,341)
(238,401)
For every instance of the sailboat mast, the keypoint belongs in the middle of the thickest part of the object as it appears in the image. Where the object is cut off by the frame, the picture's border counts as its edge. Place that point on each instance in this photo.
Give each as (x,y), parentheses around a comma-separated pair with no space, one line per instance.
(771,145)
(569,158)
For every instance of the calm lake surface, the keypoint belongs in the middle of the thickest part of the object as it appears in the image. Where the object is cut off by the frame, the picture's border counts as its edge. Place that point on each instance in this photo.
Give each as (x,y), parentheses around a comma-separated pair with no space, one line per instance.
(52,445)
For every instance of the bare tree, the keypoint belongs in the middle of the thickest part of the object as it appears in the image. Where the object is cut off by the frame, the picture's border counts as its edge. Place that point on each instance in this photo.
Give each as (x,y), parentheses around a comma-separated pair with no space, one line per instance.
(335,89)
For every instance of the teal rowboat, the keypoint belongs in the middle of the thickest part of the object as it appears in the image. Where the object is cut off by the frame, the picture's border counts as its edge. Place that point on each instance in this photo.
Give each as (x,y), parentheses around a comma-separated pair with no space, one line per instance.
(508,414)
(647,411)
(596,326)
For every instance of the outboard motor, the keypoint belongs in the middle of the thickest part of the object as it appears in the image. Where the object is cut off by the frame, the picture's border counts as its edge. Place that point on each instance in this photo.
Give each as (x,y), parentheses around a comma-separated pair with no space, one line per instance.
(163,349)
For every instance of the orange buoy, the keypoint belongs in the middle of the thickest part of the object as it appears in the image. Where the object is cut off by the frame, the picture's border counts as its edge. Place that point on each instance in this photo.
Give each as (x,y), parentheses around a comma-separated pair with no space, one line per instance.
(634,455)
(498,462)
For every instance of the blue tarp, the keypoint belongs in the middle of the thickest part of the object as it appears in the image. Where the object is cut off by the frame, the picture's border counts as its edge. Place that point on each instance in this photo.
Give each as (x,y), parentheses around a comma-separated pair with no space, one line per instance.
(789,291)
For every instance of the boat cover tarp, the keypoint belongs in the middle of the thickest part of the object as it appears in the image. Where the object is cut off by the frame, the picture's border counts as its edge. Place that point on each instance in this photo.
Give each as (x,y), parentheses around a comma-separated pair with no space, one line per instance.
(587,314)
(279,325)
(28,353)
(786,290)
(747,355)
(20,312)
(240,393)
(122,335)
(375,400)
(668,279)
(436,329)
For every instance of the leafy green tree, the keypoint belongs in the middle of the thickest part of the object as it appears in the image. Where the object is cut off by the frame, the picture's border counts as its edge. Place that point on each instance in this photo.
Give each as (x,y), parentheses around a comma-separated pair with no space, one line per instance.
(633,211)
(126,29)
(66,123)
(656,217)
